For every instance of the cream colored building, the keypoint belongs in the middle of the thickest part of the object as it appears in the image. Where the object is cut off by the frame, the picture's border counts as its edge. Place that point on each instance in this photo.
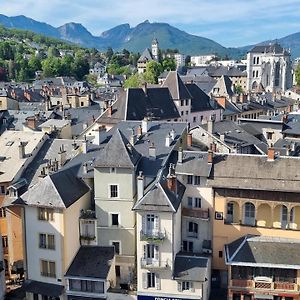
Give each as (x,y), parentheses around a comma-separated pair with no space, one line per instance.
(52,210)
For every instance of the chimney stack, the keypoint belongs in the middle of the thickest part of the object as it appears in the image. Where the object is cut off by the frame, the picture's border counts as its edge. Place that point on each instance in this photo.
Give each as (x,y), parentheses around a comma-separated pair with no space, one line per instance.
(171,180)
(109,110)
(271,153)
(85,145)
(173,134)
(31,122)
(288,150)
(139,131)
(210,156)
(21,150)
(140,186)
(180,155)
(62,154)
(152,151)
(99,135)
(145,125)
(189,139)
(132,137)
(168,140)
(85,168)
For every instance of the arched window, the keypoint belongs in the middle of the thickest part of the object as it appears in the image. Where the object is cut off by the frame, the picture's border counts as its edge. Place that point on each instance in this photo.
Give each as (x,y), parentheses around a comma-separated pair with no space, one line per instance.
(284,216)
(253,74)
(249,214)
(257,61)
(254,60)
(256,74)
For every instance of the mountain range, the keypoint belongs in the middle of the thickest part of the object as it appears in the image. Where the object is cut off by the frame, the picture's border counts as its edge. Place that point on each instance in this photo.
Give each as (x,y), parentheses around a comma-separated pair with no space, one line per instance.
(137,38)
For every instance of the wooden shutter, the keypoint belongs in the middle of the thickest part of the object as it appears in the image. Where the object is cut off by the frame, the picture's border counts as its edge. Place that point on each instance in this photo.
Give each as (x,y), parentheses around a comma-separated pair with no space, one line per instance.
(145,284)
(145,251)
(179,286)
(156,252)
(157,281)
(192,287)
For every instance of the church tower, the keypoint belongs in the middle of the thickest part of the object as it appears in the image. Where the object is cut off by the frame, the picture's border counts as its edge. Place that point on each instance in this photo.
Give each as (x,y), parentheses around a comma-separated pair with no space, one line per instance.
(155,49)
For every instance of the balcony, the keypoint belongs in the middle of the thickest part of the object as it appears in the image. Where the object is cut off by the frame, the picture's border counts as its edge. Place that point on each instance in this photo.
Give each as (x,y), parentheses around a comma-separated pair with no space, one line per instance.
(154,236)
(149,263)
(198,213)
(264,285)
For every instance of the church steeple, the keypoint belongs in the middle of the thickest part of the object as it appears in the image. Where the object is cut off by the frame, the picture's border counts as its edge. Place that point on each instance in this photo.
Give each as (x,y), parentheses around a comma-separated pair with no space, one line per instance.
(155,49)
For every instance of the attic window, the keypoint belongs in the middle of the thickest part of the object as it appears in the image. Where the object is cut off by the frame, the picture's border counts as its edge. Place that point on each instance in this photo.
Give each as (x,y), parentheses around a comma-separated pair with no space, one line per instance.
(9,143)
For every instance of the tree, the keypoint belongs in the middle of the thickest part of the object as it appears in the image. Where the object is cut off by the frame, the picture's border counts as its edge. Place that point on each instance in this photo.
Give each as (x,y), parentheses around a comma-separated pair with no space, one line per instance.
(297,74)
(133,81)
(238,89)
(109,53)
(80,66)
(187,60)
(53,52)
(153,70)
(169,64)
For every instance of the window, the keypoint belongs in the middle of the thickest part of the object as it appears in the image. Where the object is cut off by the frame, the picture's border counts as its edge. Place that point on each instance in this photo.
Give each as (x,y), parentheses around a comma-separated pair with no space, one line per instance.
(190,179)
(249,214)
(2,212)
(48,268)
(192,229)
(4,241)
(181,113)
(194,119)
(196,180)
(187,246)
(46,241)
(186,285)
(187,102)
(269,135)
(181,102)
(220,254)
(151,280)
(45,214)
(152,224)
(113,191)
(117,247)
(186,112)
(284,217)
(2,189)
(86,286)
(35,296)
(151,253)
(229,215)
(87,228)
(194,202)
(115,219)
(118,271)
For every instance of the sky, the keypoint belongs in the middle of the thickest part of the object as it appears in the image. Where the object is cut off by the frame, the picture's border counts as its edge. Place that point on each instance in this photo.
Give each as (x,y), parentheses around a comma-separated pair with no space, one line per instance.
(228,22)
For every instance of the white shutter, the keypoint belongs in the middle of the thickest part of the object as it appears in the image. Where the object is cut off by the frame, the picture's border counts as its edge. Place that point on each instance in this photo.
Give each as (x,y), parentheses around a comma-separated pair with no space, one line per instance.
(145,251)
(156,224)
(156,252)
(179,286)
(144,220)
(145,284)
(192,287)
(157,281)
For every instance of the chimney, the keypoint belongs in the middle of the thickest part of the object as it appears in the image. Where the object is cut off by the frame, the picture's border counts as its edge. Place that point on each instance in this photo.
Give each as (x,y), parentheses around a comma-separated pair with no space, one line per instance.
(180,155)
(214,147)
(222,137)
(109,111)
(284,118)
(173,134)
(62,155)
(210,125)
(85,168)
(21,150)
(132,137)
(189,139)
(140,186)
(31,122)
(145,125)
(152,151)
(99,135)
(271,154)
(168,140)
(171,180)
(85,145)
(210,156)
(139,131)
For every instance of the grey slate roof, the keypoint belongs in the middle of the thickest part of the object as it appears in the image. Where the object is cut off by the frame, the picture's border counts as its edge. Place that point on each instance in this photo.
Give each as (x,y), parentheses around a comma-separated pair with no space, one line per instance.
(273,48)
(264,251)
(160,198)
(191,268)
(176,86)
(58,190)
(255,172)
(200,100)
(194,163)
(92,262)
(43,288)
(146,56)
(118,153)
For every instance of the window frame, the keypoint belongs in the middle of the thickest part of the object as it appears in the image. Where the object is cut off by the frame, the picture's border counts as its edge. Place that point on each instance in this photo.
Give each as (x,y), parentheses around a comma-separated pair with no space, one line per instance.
(110,191)
(112,217)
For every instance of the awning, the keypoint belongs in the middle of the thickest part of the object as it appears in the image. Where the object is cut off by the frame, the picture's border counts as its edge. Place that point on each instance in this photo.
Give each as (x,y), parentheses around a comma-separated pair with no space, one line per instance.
(262,296)
(42,288)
